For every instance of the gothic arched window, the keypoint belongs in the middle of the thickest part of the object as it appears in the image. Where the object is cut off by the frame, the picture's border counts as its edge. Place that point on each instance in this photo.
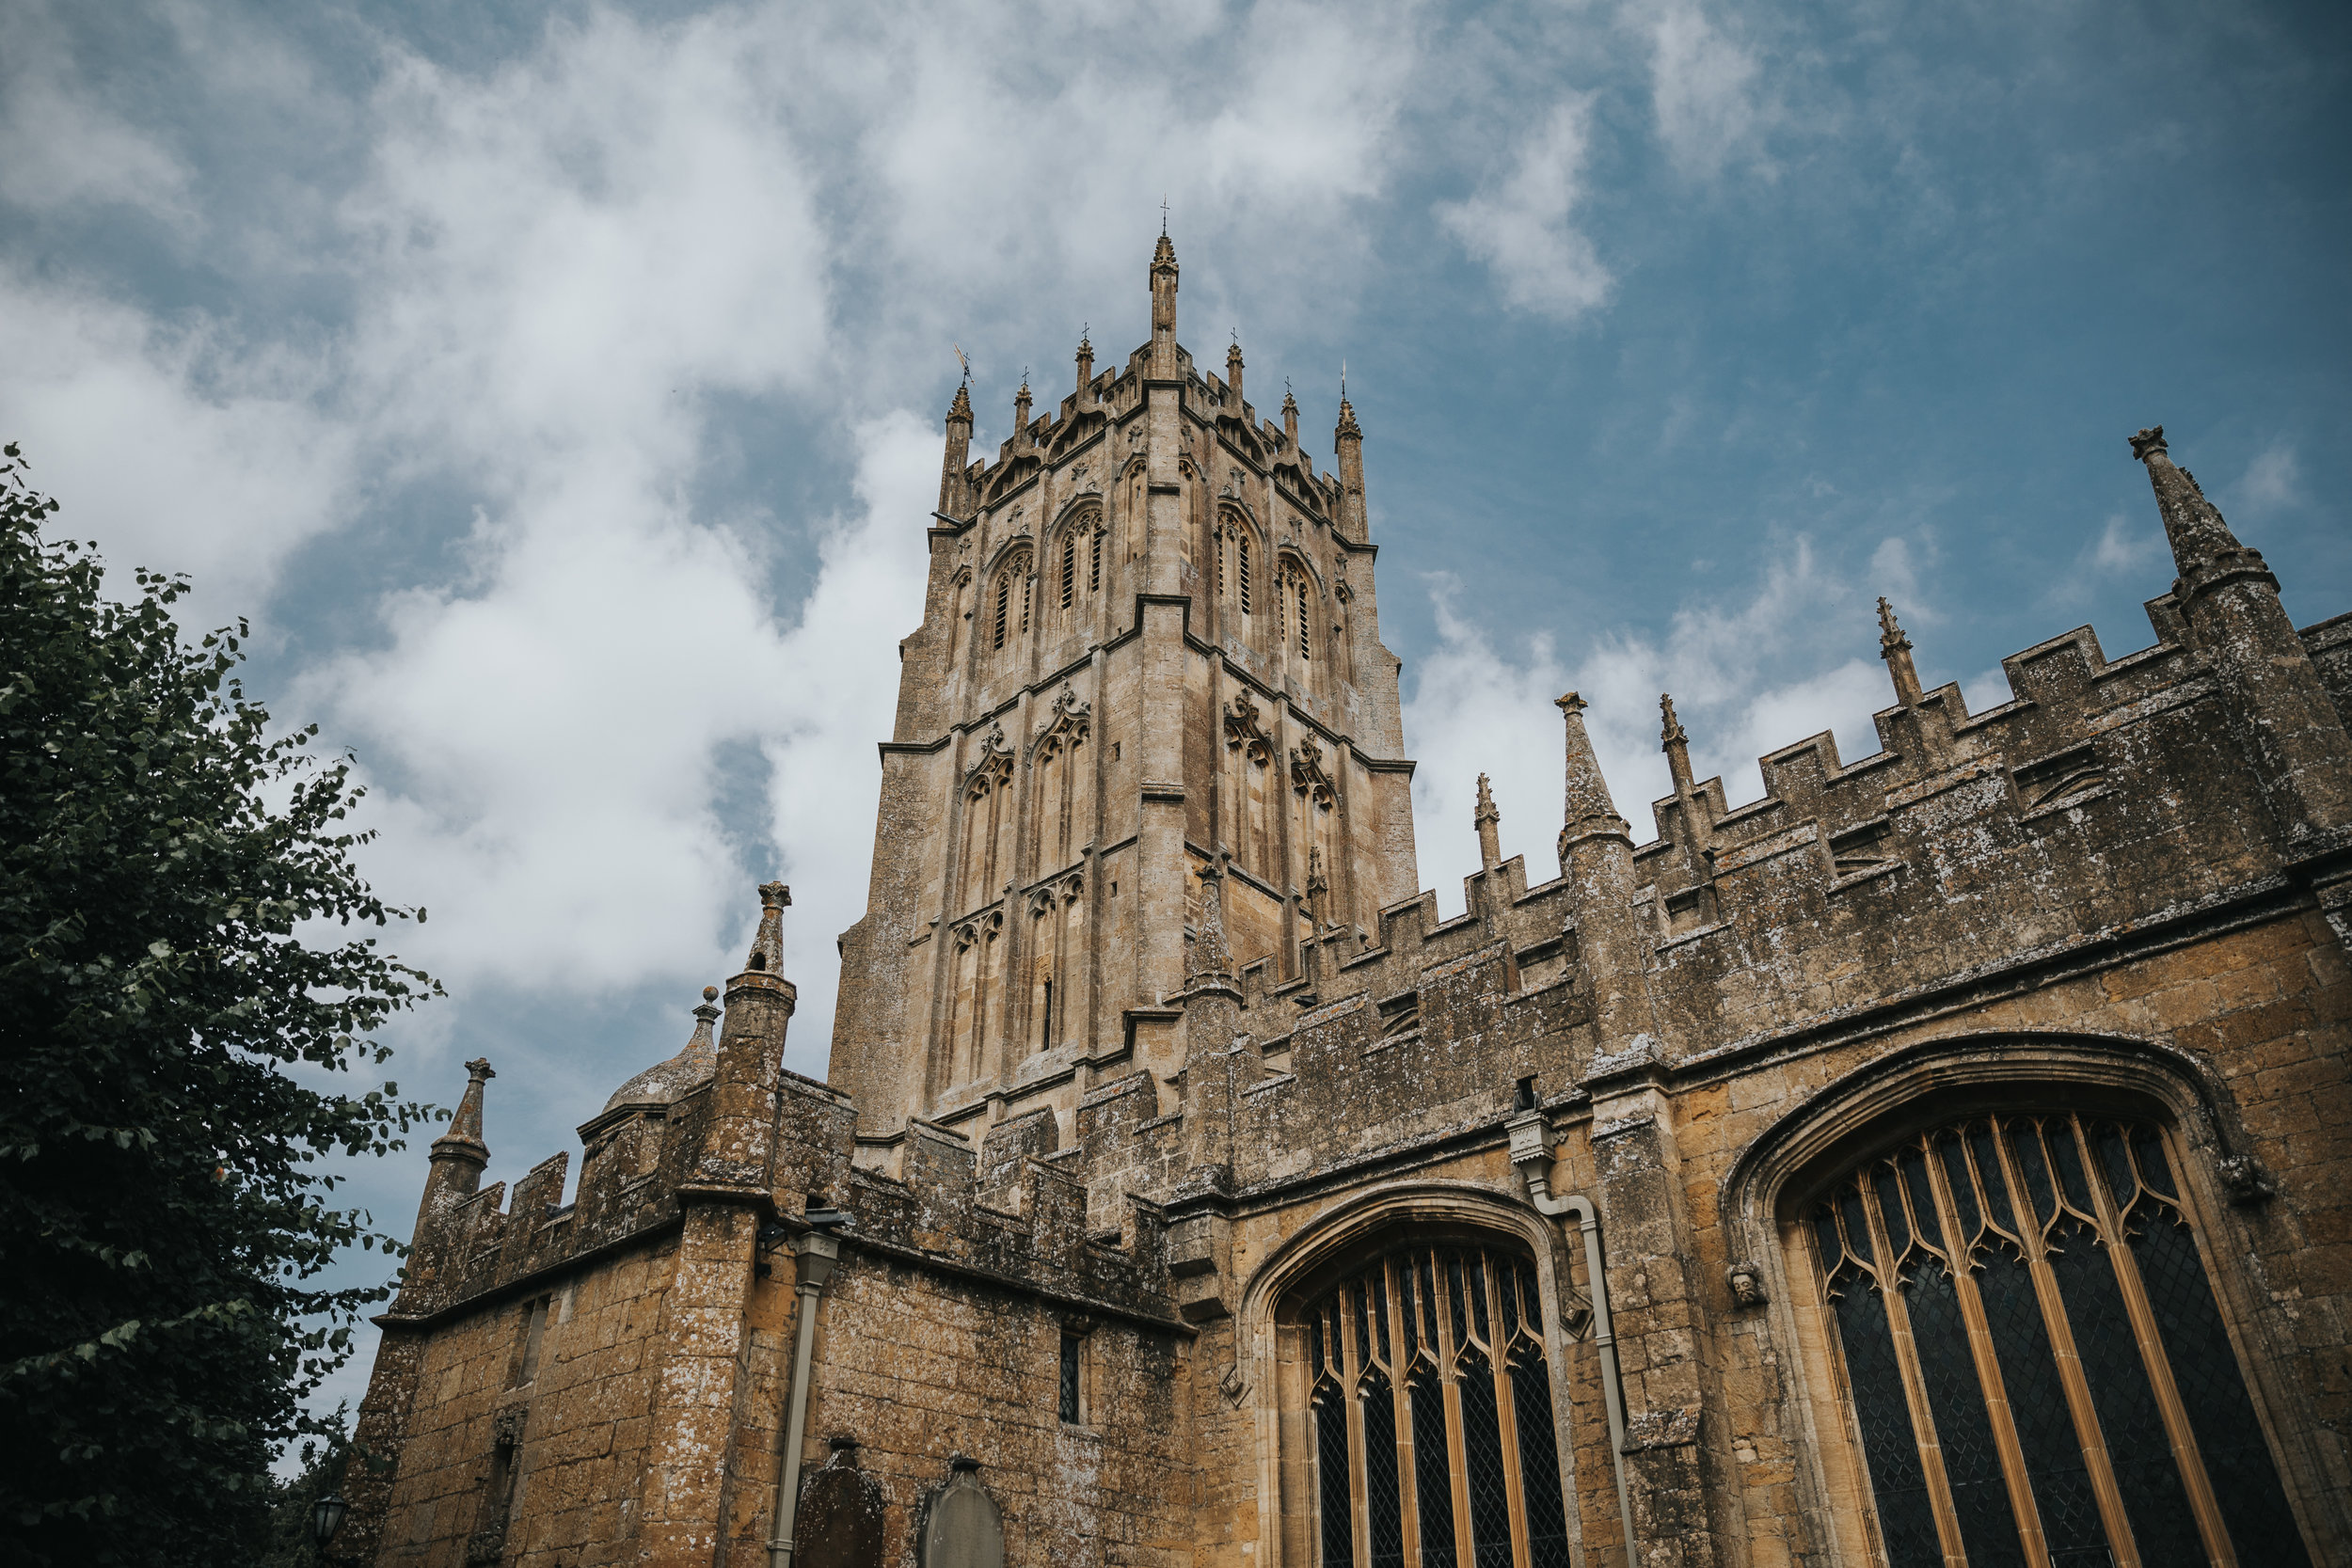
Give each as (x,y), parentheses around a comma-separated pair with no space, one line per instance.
(2037,1365)
(1431,1401)
(1233,545)
(1294,593)
(1012,599)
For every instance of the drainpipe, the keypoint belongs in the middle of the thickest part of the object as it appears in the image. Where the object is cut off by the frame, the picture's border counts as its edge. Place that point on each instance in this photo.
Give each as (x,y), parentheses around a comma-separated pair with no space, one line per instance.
(1530,1155)
(814,1255)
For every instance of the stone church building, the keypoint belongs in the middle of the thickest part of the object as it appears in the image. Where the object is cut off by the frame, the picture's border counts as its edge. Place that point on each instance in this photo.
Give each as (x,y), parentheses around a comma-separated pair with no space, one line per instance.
(1945,1158)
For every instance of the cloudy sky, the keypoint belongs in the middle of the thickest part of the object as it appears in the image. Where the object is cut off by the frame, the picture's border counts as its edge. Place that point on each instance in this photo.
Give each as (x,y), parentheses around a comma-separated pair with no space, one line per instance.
(557,387)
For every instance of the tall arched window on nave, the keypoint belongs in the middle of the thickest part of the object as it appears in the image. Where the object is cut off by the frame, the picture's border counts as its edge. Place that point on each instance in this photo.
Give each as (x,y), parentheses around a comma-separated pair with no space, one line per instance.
(2036,1361)
(1431,1399)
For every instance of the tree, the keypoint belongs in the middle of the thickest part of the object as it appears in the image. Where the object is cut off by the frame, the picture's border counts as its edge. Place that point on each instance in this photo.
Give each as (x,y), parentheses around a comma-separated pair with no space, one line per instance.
(180,979)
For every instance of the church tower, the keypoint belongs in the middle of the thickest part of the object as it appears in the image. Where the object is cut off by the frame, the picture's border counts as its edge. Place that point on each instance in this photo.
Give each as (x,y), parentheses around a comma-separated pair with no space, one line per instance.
(1147,732)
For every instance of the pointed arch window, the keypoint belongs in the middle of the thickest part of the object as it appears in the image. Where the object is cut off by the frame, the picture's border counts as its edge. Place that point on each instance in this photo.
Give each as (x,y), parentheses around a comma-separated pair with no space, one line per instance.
(1069,567)
(1432,1402)
(1012,599)
(2034,1357)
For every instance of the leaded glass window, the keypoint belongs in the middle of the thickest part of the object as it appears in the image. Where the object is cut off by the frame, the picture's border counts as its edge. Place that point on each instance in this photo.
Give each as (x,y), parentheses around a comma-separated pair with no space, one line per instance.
(1431,1396)
(2037,1367)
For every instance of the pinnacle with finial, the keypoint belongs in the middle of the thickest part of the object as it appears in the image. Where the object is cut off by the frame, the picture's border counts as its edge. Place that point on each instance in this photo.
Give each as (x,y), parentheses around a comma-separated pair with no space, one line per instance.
(701,1043)
(1890,633)
(2193,526)
(1670,727)
(1211,956)
(1485,812)
(464,1137)
(1588,810)
(1895,648)
(766,953)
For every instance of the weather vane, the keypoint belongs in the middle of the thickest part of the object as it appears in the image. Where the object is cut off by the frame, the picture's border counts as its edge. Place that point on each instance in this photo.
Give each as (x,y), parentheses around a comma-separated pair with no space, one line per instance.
(1163,214)
(963,359)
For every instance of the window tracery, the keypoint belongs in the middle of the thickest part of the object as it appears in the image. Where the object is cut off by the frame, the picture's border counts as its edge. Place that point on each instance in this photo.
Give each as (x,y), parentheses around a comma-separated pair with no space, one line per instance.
(1014,581)
(2036,1362)
(1293,601)
(1081,559)
(1431,1401)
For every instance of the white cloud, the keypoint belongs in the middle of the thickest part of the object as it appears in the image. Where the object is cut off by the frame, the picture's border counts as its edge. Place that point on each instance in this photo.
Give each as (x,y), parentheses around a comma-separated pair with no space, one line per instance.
(1519,225)
(1703,85)
(89,153)
(2272,481)
(175,445)
(2125,548)
(568,255)
(1748,678)
(843,665)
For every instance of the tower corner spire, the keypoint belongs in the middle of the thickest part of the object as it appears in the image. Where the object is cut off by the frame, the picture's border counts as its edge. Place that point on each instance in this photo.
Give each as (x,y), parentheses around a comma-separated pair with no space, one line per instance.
(1347,440)
(958,449)
(1164,276)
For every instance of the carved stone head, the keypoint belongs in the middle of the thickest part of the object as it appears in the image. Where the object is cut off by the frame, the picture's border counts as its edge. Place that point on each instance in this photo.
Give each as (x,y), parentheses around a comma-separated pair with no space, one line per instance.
(1747,1284)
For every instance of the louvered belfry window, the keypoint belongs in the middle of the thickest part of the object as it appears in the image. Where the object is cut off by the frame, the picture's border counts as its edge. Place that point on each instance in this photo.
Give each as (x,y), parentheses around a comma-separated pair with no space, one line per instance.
(1432,1418)
(2036,1360)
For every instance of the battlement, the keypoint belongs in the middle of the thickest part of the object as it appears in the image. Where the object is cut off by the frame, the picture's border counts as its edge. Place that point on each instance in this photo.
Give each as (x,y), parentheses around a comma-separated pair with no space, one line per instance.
(2104,797)
(1115,396)
(1012,1214)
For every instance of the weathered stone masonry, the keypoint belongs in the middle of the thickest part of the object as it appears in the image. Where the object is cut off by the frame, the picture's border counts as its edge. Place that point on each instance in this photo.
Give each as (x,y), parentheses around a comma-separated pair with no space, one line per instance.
(1149,1055)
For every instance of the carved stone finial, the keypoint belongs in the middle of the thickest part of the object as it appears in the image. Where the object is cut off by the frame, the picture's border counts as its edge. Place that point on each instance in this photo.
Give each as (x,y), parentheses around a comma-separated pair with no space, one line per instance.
(1588,808)
(463,1140)
(710,993)
(1890,633)
(2203,548)
(1485,819)
(1670,728)
(766,953)
(1317,883)
(1895,648)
